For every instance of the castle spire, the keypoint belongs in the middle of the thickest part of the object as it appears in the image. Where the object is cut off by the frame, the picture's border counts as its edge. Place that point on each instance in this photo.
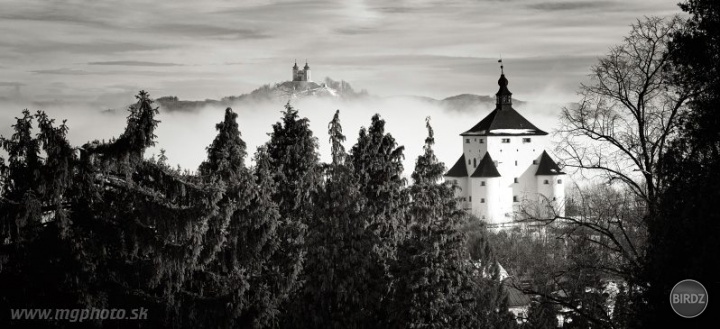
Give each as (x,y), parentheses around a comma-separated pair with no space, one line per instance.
(503,96)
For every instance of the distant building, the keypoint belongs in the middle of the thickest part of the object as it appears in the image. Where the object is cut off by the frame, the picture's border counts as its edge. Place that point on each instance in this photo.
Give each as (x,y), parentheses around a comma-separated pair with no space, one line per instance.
(504,166)
(301,75)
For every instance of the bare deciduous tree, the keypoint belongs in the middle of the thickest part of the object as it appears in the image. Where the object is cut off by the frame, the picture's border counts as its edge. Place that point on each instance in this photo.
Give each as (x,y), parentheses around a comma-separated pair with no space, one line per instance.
(628,111)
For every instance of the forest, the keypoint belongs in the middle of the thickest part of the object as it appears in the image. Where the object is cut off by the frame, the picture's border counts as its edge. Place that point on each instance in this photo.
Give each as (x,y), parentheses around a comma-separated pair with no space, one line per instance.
(288,241)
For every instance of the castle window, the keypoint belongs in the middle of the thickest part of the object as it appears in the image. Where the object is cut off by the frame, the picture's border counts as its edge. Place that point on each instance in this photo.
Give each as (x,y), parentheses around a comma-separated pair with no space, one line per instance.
(515,199)
(554,199)
(534,162)
(516,179)
(482,200)
(474,162)
(469,162)
(467,140)
(526,140)
(470,198)
(516,162)
(482,141)
(546,182)
(482,183)
(559,181)
(506,140)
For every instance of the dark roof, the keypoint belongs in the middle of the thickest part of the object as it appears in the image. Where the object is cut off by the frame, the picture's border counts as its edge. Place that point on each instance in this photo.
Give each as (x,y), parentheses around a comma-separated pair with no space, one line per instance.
(547,166)
(516,298)
(503,117)
(459,169)
(486,168)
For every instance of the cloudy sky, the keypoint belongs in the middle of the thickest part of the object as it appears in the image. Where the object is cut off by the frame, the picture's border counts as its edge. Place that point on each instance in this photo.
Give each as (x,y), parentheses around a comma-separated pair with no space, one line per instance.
(76,58)
(99,50)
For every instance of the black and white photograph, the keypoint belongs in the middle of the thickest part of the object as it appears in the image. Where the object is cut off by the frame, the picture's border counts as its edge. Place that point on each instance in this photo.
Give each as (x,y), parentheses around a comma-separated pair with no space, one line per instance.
(291,164)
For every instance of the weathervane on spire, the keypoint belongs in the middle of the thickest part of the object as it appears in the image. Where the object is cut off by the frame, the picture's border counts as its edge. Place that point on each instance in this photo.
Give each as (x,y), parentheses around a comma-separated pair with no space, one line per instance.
(502,71)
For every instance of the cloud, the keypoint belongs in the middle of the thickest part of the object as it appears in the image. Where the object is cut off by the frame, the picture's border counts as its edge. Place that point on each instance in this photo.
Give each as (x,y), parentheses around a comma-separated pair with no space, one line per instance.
(574,5)
(63,71)
(134,63)
(11,84)
(209,31)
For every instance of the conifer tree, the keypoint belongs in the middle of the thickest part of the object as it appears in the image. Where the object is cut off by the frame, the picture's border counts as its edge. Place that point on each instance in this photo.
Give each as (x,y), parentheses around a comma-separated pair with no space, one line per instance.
(333,273)
(434,286)
(541,315)
(292,161)
(377,162)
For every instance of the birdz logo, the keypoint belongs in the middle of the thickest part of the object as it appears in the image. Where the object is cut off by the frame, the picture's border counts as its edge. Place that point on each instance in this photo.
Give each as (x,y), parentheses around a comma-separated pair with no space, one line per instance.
(688,298)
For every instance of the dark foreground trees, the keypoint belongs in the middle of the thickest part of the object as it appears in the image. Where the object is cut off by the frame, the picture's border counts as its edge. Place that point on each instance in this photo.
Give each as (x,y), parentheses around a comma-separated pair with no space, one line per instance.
(288,242)
(682,241)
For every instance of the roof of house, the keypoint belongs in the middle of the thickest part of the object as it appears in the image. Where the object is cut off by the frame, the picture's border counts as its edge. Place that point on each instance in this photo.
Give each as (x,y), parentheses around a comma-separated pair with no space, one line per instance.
(504,120)
(547,166)
(486,168)
(459,169)
(516,298)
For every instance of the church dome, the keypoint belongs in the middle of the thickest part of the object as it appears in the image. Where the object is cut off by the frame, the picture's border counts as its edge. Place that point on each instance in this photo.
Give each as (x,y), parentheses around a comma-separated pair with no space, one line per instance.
(503,81)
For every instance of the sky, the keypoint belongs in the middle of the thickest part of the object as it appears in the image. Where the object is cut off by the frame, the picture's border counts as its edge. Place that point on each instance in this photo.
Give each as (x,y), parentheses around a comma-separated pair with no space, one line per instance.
(76,58)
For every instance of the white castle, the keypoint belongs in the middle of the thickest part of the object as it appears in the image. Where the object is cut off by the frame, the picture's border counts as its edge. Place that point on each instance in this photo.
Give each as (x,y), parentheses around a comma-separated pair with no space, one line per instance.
(504,166)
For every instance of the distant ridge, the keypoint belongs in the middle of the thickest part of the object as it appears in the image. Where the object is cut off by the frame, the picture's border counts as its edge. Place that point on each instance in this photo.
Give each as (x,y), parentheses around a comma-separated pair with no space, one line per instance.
(330,88)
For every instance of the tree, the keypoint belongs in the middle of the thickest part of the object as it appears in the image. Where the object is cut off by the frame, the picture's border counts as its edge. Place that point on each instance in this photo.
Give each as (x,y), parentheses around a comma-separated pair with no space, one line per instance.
(377,162)
(292,161)
(681,236)
(628,112)
(336,247)
(541,315)
(434,285)
(227,153)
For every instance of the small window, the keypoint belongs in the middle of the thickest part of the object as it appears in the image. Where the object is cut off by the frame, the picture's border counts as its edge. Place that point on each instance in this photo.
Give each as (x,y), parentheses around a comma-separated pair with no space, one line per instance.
(534,162)
(559,181)
(482,183)
(474,162)
(515,199)
(516,162)
(516,180)
(554,199)
(526,140)
(482,141)
(467,140)
(482,200)
(506,140)
(546,182)
(470,199)
(496,163)
(469,162)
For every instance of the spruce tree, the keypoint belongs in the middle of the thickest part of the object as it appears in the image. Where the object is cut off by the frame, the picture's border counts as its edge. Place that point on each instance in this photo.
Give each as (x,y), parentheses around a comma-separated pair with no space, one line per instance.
(377,162)
(333,272)
(541,315)
(433,272)
(292,161)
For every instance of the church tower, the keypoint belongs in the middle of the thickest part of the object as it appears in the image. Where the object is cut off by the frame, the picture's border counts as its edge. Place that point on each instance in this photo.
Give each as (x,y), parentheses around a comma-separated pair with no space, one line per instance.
(504,166)
(295,71)
(301,75)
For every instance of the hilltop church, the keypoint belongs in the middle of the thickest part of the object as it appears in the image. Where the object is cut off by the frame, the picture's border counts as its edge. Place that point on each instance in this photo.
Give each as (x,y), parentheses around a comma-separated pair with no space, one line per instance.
(301,75)
(504,166)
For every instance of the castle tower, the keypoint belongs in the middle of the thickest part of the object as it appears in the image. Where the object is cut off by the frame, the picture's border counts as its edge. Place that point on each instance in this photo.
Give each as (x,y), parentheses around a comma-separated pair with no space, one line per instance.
(306,69)
(295,71)
(504,166)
